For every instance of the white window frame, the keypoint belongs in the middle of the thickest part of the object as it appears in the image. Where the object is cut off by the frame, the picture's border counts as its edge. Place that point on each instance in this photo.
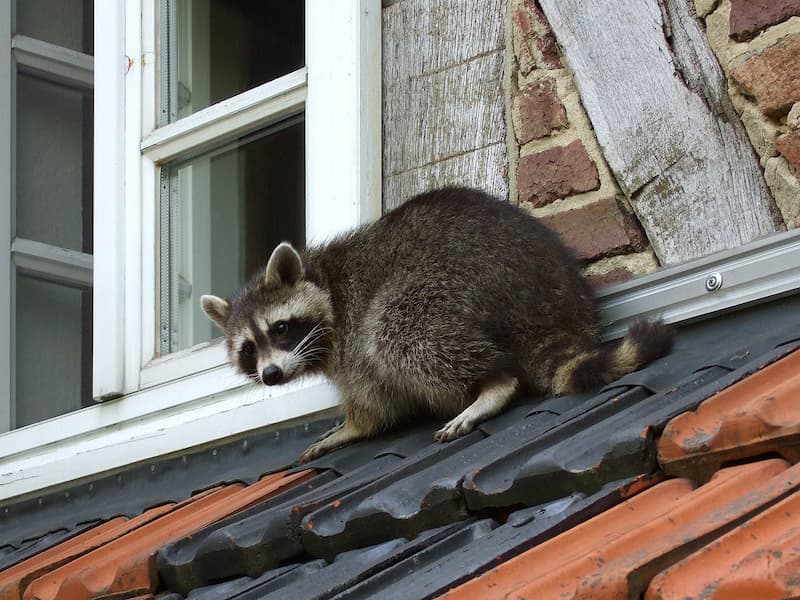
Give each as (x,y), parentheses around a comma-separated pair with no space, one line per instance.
(155,405)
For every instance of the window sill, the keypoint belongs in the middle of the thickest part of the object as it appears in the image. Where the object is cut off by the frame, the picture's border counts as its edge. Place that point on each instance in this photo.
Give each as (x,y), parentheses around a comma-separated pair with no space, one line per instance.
(138,427)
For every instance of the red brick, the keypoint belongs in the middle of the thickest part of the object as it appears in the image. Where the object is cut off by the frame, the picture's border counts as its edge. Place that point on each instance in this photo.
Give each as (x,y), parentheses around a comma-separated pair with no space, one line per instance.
(789,146)
(534,43)
(537,111)
(750,17)
(773,77)
(556,173)
(597,230)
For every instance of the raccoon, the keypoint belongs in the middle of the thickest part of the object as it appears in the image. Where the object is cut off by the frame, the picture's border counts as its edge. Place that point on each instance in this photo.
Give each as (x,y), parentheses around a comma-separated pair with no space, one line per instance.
(449,306)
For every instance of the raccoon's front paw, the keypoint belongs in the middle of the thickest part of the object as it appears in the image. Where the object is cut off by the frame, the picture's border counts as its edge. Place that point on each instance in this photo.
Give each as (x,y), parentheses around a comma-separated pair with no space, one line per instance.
(314,451)
(330,440)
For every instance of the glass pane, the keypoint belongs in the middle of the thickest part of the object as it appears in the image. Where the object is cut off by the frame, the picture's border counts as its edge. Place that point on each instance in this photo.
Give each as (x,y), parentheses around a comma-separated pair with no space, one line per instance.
(66,23)
(227,210)
(54,164)
(53,352)
(219,48)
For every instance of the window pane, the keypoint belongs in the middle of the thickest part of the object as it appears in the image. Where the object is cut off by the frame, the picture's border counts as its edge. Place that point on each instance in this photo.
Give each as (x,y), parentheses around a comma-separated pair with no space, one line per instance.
(54,164)
(219,48)
(65,23)
(53,352)
(224,212)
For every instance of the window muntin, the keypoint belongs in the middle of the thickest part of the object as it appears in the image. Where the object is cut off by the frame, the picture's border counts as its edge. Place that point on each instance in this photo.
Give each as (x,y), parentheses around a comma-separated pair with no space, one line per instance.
(223,212)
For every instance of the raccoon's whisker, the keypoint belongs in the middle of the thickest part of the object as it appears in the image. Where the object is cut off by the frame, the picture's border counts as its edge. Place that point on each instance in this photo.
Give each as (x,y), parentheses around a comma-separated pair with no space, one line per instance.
(311,353)
(310,338)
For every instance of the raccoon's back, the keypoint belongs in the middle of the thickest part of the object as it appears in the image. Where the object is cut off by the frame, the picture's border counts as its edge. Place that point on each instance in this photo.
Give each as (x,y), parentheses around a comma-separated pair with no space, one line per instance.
(488,261)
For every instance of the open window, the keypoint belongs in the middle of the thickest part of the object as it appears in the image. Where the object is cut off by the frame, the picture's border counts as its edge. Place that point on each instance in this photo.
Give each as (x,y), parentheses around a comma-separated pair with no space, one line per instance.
(223,127)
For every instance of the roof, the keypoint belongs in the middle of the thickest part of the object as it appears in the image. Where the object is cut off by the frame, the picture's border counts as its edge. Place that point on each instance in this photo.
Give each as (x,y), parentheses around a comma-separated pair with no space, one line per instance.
(678,481)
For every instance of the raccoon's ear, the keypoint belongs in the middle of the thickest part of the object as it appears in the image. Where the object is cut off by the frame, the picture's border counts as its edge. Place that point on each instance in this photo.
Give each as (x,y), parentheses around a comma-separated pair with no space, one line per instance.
(285,266)
(217,309)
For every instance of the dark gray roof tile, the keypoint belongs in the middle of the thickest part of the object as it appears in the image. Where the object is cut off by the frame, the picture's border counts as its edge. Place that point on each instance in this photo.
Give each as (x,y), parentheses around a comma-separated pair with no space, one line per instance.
(401,503)
(261,537)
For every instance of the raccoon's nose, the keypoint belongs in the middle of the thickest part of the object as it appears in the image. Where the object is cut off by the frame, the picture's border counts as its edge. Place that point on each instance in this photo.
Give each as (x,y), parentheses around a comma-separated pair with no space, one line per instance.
(271,375)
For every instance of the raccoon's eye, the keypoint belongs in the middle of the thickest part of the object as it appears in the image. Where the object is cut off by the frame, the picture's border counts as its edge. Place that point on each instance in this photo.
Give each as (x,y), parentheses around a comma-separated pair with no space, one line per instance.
(281,327)
(248,349)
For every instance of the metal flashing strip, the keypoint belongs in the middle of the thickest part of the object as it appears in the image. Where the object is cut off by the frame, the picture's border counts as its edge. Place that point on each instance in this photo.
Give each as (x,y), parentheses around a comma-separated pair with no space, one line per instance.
(755,272)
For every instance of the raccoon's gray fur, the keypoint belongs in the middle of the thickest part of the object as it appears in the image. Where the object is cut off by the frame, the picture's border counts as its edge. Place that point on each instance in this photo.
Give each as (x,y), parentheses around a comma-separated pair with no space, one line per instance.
(448,305)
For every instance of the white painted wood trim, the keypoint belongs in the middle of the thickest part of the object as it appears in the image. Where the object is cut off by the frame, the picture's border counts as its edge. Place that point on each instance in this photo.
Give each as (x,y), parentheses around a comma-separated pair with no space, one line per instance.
(266,103)
(143,251)
(343,116)
(6,203)
(184,363)
(52,62)
(59,265)
(137,428)
(109,193)
(755,272)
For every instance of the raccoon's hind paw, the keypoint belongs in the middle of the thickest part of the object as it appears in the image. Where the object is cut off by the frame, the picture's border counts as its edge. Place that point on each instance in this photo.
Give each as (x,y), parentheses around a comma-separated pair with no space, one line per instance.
(456,428)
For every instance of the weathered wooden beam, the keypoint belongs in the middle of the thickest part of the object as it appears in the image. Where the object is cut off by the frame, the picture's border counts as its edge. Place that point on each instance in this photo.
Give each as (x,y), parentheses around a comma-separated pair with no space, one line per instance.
(658,103)
(443,103)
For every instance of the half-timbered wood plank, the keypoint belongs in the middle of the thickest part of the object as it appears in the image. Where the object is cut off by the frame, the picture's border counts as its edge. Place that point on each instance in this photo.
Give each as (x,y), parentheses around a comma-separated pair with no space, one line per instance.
(661,114)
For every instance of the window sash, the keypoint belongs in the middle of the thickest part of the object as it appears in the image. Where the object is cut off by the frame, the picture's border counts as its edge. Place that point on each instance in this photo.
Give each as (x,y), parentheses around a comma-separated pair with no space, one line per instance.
(20,54)
(342,152)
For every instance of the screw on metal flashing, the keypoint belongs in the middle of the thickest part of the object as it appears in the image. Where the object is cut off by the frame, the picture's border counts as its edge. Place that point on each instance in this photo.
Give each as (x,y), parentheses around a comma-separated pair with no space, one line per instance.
(714,281)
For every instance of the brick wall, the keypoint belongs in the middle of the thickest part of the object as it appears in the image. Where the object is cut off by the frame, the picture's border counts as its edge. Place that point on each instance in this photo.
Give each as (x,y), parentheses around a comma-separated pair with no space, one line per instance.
(757,43)
(561,175)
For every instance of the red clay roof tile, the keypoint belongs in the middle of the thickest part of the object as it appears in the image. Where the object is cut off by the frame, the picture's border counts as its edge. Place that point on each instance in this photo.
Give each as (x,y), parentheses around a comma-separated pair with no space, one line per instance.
(615,554)
(575,542)
(759,559)
(13,581)
(126,566)
(757,415)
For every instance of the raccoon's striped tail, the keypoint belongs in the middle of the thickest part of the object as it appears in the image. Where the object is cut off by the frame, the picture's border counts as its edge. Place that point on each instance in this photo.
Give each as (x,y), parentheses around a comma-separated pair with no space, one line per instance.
(589,370)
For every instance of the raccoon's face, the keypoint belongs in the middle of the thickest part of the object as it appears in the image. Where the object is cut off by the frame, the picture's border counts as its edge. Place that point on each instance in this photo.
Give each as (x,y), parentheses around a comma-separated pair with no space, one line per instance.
(279,325)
